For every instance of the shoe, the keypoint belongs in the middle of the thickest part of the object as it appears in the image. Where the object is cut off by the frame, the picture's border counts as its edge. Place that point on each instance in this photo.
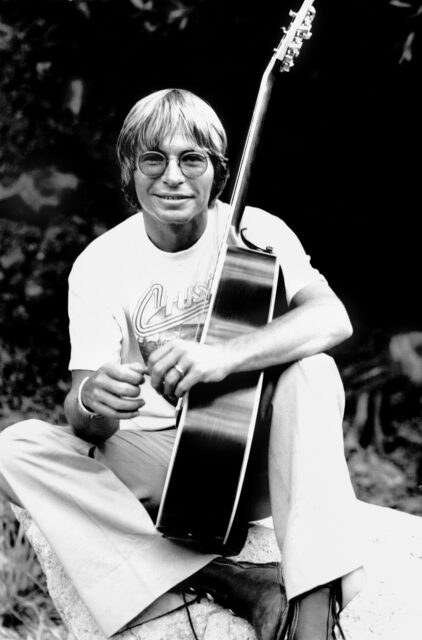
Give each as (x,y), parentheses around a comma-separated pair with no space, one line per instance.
(314,615)
(253,591)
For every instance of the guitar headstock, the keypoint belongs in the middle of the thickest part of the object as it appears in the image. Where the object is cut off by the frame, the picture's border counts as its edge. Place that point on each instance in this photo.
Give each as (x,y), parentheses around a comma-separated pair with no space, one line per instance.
(298,30)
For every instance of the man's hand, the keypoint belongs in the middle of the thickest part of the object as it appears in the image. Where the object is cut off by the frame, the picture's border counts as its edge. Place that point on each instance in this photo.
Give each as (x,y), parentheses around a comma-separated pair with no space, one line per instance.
(180,364)
(113,391)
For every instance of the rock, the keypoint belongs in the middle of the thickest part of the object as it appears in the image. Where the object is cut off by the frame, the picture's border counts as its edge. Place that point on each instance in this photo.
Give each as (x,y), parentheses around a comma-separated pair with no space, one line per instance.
(390,605)
(388,608)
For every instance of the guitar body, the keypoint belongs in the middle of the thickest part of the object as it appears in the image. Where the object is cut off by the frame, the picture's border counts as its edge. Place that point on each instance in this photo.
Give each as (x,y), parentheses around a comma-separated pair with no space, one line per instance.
(217,422)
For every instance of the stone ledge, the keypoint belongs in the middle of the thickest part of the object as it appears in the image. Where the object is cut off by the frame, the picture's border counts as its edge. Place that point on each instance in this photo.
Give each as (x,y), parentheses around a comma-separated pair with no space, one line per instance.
(389,608)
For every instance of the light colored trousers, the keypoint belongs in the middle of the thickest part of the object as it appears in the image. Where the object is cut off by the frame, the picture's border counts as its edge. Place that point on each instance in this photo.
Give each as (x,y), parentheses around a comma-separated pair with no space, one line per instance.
(92,507)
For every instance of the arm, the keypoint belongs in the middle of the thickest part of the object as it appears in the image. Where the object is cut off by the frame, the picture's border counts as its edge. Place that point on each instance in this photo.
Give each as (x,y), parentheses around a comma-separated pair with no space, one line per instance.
(112,390)
(112,393)
(316,321)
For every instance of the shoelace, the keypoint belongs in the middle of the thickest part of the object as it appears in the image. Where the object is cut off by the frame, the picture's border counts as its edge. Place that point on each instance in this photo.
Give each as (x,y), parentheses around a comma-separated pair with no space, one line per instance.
(185,606)
(336,606)
(189,615)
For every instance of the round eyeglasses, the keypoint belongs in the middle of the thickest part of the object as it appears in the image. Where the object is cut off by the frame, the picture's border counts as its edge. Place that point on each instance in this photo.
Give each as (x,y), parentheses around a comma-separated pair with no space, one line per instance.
(192,164)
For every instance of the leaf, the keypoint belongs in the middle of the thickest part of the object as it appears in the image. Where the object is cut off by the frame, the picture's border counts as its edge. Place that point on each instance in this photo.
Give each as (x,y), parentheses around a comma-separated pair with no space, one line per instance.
(33,290)
(6,35)
(12,258)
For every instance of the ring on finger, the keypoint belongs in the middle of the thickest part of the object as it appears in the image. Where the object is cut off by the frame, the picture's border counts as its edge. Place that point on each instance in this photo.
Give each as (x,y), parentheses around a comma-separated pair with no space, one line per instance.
(179,370)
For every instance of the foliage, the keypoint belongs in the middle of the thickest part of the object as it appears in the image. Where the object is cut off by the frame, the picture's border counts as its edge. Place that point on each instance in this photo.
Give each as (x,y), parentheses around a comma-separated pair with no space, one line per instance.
(34,346)
(26,611)
(156,15)
(383,424)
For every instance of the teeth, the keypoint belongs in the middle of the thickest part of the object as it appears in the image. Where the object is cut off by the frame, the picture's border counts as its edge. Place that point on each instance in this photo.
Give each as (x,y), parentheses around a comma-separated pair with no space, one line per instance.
(173,197)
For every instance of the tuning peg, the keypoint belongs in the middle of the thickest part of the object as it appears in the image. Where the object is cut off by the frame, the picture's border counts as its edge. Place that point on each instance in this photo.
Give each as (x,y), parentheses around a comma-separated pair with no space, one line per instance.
(309,18)
(287,63)
(292,51)
(292,14)
(304,32)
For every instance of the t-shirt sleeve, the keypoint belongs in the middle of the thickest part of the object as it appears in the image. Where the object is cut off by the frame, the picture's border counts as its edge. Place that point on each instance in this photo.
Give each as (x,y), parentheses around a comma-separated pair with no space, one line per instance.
(294,261)
(95,335)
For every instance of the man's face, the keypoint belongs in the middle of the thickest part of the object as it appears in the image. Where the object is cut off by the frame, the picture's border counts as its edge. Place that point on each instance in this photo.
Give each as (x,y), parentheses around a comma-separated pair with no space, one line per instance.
(172,199)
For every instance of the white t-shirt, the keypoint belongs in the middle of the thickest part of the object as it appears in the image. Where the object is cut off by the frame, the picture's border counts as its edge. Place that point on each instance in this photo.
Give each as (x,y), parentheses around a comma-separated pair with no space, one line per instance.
(126,296)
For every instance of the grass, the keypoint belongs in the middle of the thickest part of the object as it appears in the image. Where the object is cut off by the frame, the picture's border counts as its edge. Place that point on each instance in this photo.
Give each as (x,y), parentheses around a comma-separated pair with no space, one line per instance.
(26,609)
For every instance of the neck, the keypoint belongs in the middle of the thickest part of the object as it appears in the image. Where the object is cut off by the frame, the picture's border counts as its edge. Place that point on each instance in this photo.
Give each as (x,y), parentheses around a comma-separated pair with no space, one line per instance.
(176,237)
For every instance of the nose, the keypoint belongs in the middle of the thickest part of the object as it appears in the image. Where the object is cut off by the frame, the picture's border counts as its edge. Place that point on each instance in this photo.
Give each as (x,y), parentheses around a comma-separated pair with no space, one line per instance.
(172,174)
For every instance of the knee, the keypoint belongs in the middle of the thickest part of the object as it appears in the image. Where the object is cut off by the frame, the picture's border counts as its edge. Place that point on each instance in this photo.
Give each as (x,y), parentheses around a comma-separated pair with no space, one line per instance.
(319,368)
(317,374)
(18,437)
(322,366)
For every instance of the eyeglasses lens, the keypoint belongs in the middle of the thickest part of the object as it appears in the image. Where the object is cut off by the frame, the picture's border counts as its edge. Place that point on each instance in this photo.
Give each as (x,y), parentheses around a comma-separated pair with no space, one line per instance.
(192,164)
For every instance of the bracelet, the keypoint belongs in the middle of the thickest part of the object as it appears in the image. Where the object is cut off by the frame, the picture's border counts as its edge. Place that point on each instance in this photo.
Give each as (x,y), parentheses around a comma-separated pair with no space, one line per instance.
(82,407)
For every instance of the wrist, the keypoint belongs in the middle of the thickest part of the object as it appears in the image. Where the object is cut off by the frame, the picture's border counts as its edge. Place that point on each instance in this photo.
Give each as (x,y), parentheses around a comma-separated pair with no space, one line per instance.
(232,357)
(84,410)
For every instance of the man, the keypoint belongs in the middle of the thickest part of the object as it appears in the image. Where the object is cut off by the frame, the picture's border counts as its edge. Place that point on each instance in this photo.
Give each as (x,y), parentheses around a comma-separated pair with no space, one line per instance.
(137,304)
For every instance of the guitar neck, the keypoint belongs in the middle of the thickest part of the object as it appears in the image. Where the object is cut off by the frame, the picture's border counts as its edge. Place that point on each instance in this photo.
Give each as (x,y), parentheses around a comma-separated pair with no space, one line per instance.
(283,60)
(240,190)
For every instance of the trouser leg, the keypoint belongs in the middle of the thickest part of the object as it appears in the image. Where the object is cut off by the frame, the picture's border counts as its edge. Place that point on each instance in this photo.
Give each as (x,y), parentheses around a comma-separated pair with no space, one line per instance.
(100,532)
(314,508)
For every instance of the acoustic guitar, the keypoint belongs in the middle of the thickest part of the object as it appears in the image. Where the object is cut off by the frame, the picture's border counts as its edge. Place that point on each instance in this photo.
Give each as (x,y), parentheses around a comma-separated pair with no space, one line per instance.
(216,423)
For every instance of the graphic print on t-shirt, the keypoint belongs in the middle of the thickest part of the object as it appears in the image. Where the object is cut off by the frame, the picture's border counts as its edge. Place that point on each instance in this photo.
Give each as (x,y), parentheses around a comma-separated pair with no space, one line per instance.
(161,316)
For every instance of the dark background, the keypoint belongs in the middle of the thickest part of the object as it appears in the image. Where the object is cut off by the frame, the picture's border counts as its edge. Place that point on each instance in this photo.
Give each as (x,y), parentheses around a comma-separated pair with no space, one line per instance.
(339,154)
(338,159)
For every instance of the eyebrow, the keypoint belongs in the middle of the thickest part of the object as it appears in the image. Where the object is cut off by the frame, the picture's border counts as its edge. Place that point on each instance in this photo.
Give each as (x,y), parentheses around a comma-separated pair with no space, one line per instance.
(159,148)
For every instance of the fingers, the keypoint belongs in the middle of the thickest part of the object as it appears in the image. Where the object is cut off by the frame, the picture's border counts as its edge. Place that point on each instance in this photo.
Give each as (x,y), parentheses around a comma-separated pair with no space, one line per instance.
(161,352)
(121,380)
(114,390)
(113,406)
(162,369)
(171,380)
(165,366)
(176,366)
(117,388)
(132,373)
(180,364)
(186,382)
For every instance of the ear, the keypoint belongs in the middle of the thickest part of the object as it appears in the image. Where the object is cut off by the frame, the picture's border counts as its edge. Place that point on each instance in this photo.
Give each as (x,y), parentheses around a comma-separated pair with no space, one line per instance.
(130,194)
(221,175)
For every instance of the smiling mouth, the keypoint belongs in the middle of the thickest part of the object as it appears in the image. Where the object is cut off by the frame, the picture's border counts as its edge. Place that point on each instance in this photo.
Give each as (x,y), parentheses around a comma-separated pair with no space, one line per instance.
(163,197)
